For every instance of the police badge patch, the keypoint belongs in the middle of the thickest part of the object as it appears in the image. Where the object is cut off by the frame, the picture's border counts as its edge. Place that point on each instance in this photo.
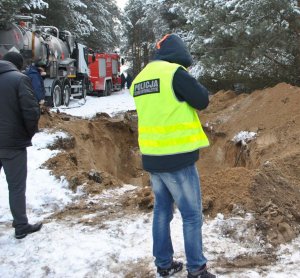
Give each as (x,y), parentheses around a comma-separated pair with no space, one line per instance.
(146,87)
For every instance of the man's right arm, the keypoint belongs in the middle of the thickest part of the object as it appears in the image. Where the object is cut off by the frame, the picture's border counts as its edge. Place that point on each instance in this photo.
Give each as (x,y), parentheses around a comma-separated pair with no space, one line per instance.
(29,106)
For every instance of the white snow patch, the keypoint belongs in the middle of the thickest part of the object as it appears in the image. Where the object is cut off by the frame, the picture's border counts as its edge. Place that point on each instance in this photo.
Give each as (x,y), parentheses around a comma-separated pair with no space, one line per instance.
(44,193)
(116,103)
(244,137)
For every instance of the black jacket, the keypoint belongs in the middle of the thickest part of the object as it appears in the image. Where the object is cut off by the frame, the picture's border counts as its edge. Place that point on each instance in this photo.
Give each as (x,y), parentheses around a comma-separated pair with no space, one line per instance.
(187,89)
(19,110)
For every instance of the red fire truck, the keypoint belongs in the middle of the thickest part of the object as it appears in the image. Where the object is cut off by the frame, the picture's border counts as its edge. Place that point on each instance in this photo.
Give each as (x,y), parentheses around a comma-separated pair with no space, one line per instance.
(104,73)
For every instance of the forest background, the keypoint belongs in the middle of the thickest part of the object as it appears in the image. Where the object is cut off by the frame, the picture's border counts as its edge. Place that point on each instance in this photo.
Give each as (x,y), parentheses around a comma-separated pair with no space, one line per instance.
(240,45)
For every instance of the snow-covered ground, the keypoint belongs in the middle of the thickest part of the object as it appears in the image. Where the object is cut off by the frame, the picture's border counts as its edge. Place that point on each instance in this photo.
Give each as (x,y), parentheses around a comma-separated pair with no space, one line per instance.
(66,249)
(114,104)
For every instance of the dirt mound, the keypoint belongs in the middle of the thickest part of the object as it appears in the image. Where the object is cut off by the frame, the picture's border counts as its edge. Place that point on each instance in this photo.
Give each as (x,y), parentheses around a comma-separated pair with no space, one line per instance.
(260,175)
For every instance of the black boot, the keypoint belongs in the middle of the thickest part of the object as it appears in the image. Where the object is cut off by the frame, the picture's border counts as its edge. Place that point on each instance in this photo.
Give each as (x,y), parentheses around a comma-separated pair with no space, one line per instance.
(167,272)
(23,231)
(202,273)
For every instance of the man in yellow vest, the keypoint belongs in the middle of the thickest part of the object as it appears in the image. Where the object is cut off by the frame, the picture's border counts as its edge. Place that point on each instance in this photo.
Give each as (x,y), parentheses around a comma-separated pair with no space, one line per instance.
(170,136)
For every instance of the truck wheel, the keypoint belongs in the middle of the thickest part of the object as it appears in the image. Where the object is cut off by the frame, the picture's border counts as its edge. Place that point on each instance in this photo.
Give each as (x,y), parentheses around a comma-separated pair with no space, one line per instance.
(56,93)
(105,91)
(109,88)
(85,88)
(66,92)
(90,88)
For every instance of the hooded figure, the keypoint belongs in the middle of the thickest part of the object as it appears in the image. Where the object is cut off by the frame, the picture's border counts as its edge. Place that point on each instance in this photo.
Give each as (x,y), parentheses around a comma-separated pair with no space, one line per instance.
(19,111)
(37,82)
(170,136)
(19,116)
(172,49)
(15,58)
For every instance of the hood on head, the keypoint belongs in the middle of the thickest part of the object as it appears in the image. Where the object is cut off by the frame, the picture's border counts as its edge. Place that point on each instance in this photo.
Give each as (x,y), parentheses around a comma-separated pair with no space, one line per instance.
(15,58)
(171,48)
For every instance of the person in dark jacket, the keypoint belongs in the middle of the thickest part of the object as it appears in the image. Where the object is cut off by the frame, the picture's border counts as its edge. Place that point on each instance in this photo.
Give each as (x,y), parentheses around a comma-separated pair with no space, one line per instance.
(128,80)
(123,80)
(170,136)
(19,116)
(37,82)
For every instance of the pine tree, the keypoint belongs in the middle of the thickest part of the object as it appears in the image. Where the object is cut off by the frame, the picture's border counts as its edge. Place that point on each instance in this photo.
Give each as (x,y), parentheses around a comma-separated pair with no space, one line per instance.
(9,9)
(137,33)
(68,15)
(144,25)
(105,17)
(255,43)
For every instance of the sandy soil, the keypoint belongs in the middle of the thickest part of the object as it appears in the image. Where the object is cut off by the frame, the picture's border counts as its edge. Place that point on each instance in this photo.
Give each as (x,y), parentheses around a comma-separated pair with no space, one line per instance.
(261,176)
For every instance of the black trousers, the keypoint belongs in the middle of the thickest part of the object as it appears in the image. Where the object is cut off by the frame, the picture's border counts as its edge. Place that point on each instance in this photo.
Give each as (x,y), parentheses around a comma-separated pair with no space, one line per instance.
(14,163)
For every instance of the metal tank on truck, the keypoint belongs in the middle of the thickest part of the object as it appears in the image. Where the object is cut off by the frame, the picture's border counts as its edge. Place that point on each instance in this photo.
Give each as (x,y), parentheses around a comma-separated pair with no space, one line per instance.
(64,60)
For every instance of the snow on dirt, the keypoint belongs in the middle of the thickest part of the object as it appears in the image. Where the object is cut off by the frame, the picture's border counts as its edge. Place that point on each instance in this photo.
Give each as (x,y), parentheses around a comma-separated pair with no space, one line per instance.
(97,220)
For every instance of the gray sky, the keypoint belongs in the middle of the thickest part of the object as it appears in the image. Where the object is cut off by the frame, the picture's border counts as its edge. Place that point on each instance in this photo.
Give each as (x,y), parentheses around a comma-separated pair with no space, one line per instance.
(121,3)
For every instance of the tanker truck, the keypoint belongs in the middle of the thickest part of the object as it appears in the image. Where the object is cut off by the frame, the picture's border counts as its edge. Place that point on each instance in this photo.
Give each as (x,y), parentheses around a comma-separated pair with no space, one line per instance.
(64,60)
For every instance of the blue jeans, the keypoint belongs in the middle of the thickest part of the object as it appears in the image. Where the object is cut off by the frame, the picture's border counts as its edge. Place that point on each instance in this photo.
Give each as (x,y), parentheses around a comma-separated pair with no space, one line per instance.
(183,188)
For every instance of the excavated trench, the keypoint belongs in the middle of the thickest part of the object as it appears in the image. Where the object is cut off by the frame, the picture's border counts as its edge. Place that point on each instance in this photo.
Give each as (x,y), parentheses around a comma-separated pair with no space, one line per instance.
(102,153)
(98,155)
(261,177)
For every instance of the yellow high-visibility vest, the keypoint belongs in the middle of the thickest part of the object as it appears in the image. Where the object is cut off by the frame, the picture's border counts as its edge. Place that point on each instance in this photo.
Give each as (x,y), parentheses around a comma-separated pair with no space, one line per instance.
(165,125)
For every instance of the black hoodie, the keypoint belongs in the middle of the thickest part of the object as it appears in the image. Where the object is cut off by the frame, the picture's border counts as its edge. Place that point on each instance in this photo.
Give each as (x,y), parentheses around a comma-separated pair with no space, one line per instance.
(187,89)
(19,110)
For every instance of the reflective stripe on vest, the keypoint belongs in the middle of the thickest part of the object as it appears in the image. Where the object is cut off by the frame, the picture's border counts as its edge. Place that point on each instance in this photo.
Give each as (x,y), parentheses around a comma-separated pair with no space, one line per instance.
(166,126)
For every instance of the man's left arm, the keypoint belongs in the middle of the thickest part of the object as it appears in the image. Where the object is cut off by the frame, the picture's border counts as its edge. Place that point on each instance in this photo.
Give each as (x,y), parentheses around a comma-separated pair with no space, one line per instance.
(188,89)
(29,106)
